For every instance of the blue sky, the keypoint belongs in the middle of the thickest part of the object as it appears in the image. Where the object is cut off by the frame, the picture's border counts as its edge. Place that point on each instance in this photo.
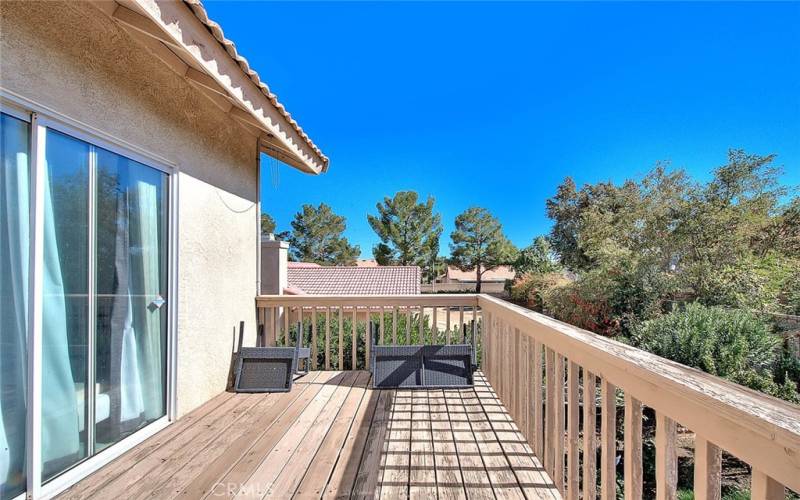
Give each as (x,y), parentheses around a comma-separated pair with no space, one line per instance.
(493,104)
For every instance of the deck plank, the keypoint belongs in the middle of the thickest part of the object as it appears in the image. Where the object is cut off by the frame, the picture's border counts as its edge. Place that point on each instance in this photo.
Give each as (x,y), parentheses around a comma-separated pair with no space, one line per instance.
(332,436)
(289,479)
(449,481)
(259,482)
(396,468)
(87,487)
(243,469)
(501,475)
(529,471)
(334,447)
(422,473)
(370,469)
(197,479)
(178,449)
(473,470)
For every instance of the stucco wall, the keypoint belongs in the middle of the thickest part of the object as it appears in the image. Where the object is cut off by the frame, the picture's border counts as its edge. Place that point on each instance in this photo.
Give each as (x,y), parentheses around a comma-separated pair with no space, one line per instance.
(74,59)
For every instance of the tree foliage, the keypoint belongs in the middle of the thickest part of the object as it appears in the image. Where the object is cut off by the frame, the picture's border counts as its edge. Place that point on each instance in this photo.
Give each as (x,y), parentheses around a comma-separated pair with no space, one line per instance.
(729,343)
(409,231)
(478,243)
(267,223)
(538,257)
(730,241)
(317,236)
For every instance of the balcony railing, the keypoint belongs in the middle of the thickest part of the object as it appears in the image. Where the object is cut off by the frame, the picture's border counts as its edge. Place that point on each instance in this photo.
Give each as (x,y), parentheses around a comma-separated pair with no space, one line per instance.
(547,375)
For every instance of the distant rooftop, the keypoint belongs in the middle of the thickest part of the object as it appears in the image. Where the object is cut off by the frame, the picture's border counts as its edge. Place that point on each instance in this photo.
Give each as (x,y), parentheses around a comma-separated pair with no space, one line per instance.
(313,279)
(500,273)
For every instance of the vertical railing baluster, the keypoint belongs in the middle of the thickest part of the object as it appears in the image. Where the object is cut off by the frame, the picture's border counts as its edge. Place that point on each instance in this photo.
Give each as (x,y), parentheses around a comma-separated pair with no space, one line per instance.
(354,334)
(369,330)
(633,448)
(763,487)
(394,325)
(560,423)
(341,338)
(448,339)
(608,441)
(573,421)
(314,338)
(589,435)
(666,457)
(538,410)
(328,338)
(383,313)
(550,411)
(707,469)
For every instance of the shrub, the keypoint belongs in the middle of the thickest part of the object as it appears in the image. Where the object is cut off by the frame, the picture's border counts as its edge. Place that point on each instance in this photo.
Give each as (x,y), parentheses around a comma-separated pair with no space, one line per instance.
(530,288)
(584,303)
(733,344)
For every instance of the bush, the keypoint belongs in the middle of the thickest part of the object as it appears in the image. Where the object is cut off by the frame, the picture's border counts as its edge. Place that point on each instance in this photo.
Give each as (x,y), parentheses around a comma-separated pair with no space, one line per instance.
(584,303)
(530,289)
(733,344)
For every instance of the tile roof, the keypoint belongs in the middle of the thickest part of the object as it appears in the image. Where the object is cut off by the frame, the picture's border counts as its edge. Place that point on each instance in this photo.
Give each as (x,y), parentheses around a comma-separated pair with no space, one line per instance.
(199,11)
(352,280)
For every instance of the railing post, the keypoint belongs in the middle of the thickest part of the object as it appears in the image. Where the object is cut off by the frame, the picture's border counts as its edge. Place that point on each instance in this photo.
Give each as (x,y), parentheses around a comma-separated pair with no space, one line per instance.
(707,469)
(633,448)
(666,458)
(763,487)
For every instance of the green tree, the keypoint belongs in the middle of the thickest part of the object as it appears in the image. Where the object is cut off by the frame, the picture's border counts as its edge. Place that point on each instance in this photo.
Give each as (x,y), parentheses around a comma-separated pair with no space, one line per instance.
(317,237)
(409,231)
(267,223)
(478,243)
(537,258)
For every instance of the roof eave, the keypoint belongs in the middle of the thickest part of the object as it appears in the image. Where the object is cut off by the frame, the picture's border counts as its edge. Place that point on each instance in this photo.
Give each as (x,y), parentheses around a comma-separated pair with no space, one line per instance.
(184,28)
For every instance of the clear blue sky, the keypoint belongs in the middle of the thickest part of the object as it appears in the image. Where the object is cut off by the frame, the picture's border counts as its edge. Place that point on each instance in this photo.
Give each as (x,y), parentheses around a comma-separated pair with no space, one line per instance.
(494,104)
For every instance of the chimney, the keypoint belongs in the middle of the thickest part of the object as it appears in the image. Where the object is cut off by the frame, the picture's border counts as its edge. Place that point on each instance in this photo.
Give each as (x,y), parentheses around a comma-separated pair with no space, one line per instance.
(274,255)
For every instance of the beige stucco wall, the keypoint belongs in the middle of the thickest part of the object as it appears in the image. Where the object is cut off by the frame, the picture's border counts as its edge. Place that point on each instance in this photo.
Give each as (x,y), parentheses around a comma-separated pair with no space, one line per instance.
(72,58)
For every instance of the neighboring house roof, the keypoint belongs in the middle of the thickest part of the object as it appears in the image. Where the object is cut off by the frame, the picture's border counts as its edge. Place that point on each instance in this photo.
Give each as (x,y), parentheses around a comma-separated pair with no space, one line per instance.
(352,280)
(367,263)
(298,265)
(500,273)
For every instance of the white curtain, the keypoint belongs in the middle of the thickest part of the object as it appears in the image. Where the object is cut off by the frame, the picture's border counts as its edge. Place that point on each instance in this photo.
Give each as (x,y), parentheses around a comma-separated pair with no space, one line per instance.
(14,246)
(146,191)
(60,423)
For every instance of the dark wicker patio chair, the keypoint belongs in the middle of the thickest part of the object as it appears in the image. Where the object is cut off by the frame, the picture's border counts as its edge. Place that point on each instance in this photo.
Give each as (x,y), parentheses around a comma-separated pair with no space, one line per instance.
(269,369)
(422,366)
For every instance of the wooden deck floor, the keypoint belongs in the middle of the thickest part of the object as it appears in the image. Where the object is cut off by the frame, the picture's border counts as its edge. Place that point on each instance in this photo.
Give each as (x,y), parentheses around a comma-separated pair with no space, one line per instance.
(332,437)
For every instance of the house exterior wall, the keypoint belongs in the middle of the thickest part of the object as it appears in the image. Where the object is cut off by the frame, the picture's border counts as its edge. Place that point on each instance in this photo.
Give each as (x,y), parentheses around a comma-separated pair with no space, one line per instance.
(72,58)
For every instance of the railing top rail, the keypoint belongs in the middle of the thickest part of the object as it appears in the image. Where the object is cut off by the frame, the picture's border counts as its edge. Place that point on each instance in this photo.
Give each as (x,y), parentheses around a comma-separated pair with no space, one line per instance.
(759,429)
(429,300)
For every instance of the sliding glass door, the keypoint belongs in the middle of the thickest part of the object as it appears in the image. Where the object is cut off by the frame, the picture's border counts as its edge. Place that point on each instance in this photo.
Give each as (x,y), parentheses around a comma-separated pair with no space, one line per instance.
(104,291)
(14,255)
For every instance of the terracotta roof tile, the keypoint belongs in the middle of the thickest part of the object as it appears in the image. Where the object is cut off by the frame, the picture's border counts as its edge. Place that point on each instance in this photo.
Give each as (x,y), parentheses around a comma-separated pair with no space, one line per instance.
(351,280)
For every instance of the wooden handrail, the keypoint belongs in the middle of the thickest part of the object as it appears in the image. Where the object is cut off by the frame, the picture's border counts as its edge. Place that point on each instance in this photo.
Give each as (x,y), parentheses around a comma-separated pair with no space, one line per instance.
(759,429)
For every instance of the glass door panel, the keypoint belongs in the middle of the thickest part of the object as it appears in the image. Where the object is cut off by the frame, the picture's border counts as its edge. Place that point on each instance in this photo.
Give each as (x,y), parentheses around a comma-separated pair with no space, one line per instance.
(131,322)
(65,303)
(14,253)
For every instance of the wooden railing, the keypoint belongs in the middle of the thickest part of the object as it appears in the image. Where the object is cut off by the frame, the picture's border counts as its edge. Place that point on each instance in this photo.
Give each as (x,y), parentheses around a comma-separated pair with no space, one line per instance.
(546,373)
(336,327)
(557,381)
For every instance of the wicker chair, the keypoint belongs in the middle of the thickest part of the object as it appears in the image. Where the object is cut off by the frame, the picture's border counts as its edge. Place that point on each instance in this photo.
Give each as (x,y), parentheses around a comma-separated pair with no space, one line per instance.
(422,366)
(269,369)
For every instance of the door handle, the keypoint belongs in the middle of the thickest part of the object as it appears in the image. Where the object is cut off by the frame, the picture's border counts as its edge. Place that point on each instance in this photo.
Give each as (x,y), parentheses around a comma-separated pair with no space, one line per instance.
(157,303)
